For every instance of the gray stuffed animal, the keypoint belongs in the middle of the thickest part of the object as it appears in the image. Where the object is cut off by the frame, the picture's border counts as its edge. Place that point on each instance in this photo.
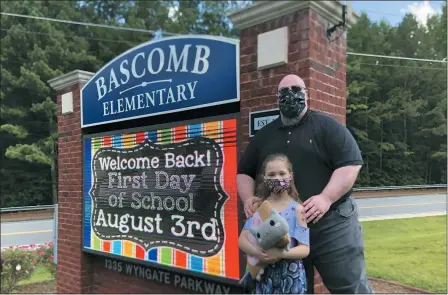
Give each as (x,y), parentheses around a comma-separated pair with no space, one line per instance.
(273,231)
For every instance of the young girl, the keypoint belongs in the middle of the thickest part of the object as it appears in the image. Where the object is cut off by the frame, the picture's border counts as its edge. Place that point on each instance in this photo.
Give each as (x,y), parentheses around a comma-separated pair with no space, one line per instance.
(285,273)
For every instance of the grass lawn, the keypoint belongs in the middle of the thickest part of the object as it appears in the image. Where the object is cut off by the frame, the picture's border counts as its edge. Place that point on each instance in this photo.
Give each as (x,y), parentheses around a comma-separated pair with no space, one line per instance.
(40,274)
(411,251)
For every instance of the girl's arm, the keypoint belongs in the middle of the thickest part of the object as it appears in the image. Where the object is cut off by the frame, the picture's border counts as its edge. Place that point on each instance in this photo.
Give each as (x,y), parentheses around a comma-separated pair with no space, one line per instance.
(246,246)
(298,252)
(302,250)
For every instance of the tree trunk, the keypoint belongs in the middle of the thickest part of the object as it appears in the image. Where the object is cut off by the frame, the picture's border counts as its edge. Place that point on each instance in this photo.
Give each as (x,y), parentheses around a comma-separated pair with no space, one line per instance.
(54,179)
(429,172)
(367,136)
(381,148)
(367,170)
(53,185)
(405,128)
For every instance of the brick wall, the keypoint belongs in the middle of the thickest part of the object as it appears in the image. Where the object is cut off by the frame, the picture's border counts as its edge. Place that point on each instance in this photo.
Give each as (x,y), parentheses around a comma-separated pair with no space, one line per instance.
(74,266)
(321,65)
(111,282)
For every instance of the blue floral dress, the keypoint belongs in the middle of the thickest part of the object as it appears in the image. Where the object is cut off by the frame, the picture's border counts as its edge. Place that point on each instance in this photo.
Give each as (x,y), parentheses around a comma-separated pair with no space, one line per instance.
(285,276)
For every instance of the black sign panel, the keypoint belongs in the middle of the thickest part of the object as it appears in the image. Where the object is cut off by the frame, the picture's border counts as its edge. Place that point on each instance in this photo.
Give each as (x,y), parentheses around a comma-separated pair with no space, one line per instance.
(160,195)
(258,120)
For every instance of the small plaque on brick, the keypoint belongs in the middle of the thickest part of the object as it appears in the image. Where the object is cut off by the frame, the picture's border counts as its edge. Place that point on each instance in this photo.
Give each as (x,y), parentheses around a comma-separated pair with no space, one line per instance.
(258,120)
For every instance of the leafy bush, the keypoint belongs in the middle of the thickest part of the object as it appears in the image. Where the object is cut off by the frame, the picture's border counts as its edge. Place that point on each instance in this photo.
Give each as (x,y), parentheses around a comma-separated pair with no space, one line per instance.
(46,258)
(16,264)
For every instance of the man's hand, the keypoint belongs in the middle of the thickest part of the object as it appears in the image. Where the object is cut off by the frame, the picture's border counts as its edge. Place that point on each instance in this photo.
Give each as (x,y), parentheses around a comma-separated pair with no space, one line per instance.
(250,205)
(315,207)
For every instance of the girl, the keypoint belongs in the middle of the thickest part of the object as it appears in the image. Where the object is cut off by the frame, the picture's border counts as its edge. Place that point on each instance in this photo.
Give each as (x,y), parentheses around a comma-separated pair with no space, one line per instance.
(285,273)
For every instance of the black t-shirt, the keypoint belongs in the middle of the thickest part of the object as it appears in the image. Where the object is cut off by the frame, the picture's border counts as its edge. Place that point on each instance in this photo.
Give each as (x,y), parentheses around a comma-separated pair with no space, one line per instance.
(316,146)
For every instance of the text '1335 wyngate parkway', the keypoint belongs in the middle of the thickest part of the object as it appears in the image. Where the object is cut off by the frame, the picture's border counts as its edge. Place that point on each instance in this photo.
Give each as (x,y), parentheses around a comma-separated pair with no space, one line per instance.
(160,200)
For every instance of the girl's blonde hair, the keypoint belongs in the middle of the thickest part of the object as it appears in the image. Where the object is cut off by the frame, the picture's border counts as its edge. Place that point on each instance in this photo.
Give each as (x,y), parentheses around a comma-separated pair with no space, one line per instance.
(261,189)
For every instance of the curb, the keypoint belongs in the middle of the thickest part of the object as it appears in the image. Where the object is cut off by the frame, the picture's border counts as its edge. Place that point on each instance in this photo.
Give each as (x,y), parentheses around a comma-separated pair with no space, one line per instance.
(420,291)
(402,216)
(34,218)
(23,247)
(370,195)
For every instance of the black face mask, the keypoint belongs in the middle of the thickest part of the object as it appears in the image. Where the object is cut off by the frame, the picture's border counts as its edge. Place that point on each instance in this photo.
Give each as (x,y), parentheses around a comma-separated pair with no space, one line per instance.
(291,101)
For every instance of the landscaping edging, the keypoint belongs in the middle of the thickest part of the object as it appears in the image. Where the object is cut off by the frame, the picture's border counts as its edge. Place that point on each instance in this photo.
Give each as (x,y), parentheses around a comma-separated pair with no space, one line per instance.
(410,288)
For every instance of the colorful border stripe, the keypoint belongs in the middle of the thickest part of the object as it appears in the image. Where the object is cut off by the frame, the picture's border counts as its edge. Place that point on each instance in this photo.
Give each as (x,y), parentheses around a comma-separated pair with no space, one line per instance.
(139,252)
(87,197)
(231,257)
(225,263)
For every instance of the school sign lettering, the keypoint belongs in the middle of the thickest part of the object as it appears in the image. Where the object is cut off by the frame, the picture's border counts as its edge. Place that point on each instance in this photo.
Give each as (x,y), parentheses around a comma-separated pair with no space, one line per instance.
(161,77)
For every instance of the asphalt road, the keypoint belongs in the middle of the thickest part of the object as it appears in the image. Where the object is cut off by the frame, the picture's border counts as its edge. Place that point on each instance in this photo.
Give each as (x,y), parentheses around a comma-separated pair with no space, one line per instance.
(40,231)
(395,206)
(18,233)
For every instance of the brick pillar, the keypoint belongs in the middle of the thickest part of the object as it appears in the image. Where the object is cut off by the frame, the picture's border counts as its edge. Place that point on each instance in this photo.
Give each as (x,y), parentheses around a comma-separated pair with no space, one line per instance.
(290,37)
(74,267)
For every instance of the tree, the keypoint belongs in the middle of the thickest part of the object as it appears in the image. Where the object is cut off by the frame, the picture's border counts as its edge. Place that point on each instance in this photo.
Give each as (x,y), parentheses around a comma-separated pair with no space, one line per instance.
(397,108)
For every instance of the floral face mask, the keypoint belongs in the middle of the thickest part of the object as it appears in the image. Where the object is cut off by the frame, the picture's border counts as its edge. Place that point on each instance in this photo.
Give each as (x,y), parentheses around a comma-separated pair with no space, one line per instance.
(277,186)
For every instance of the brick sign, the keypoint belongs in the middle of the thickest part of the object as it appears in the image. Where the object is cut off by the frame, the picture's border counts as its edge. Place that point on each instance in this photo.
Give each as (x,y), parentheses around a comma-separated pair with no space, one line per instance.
(165,195)
(188,283)
(162,77)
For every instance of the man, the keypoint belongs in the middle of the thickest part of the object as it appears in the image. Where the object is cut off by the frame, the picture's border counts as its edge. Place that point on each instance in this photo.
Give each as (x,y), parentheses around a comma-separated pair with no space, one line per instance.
(326,161)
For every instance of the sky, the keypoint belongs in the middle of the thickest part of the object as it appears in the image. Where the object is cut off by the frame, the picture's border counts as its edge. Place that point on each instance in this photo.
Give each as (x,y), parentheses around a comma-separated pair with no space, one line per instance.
(393,11)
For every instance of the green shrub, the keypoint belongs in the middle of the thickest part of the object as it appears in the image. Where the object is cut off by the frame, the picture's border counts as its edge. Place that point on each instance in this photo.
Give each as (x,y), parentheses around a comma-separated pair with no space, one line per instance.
(46,258)
(16,264)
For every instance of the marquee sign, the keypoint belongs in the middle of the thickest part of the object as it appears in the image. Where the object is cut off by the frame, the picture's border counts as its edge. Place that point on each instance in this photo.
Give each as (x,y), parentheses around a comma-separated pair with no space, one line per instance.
(160,77)
(166,196)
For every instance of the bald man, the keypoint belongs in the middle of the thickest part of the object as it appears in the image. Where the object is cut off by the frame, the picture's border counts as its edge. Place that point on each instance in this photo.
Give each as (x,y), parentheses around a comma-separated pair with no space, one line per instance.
(326,161)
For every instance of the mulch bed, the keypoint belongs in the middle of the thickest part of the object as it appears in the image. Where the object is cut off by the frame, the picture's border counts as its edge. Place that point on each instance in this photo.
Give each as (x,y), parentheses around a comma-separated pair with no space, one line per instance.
(48,287)
(388,287)
(380,286)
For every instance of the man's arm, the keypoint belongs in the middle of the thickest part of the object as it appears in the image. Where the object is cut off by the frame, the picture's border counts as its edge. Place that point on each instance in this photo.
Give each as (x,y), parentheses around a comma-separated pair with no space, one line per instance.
(341,181)
(246,186)
(345,157)
(246,174)
(346,160)
(247,171)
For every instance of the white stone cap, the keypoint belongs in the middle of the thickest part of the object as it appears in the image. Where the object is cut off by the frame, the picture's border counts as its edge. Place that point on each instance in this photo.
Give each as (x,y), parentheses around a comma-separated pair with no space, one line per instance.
(69,79)
(263,11)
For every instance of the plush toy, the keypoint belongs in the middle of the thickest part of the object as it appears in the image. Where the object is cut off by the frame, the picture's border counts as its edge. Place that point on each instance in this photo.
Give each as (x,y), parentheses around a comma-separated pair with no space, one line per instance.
(268,230)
